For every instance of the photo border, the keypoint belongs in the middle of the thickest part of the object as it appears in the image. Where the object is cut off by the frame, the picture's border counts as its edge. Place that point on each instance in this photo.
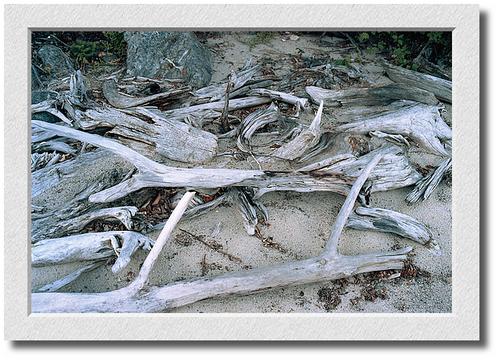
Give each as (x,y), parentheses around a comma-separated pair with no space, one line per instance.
(462,324)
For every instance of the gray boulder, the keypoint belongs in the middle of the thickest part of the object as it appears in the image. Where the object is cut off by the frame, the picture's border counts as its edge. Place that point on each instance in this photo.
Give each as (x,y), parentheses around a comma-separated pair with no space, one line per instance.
(151,54)
(55,62)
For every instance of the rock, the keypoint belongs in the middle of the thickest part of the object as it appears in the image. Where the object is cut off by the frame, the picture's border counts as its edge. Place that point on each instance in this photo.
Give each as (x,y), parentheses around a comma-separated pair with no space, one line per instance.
(55,63)
(149,53)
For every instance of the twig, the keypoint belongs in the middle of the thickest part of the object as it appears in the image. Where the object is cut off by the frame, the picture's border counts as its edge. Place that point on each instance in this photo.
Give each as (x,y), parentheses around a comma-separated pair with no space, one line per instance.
(163,237)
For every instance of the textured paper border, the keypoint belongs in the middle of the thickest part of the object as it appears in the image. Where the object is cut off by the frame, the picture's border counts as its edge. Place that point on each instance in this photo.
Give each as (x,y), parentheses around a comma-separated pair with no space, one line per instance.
(461,324)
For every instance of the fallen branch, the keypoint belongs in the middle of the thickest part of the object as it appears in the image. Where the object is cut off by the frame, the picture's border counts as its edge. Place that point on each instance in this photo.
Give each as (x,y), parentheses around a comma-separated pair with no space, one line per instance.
(153,174)
(381,95)
(329,265)
(440,87)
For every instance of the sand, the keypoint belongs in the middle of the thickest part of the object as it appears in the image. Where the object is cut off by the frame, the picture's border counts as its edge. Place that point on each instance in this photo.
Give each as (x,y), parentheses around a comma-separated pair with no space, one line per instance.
(299,225)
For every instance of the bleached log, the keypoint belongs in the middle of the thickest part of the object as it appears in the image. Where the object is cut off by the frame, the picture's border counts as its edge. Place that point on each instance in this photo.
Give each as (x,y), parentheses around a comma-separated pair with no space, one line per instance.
(70,226)
(170,138)
(329,265)
(440,87)
(388,221)
(49,177)
(307,139)
(422,124)
(89,246)
(110,91)
(425,187)
(153,174)
(218,106)
(372,96)
(252,123)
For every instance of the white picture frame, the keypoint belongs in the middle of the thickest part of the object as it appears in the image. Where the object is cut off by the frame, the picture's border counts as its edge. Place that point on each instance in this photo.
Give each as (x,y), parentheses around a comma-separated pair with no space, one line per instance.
(464,321)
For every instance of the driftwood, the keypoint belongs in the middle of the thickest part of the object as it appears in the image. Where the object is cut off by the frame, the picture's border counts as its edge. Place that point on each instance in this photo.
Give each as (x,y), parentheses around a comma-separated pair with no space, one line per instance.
(372,96)
(388,221)
(394,170)
(297,102)
(252,123)
(153,174)
(238,80)
(425,187)
(421,123)
(90,246)
(49,177)
(304,141)
(110,91)
(440,87)
(138,297)
(61,227)
(170,138)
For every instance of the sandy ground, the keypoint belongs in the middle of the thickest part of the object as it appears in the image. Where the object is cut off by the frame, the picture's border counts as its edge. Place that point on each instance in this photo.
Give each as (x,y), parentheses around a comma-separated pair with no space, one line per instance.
(299,225)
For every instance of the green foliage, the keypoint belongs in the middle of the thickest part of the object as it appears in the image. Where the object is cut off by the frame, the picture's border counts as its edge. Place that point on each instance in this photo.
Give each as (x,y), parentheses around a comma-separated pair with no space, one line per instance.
(363,37)
(403,47)
(115,43)
(84,52)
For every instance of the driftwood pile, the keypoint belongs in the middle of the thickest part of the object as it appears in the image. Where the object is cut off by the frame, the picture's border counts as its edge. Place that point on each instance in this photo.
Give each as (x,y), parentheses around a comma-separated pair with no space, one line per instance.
(173,137)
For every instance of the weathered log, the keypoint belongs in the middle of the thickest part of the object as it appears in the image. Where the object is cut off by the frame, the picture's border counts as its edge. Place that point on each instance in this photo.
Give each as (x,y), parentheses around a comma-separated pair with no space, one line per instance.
(372,96)
(421,123)
(329,265)
(425,187)
(153,174)
(440,87)
(212,108)
(89,246)
(49,177)
(170,138)
(110,91)
(388,221)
